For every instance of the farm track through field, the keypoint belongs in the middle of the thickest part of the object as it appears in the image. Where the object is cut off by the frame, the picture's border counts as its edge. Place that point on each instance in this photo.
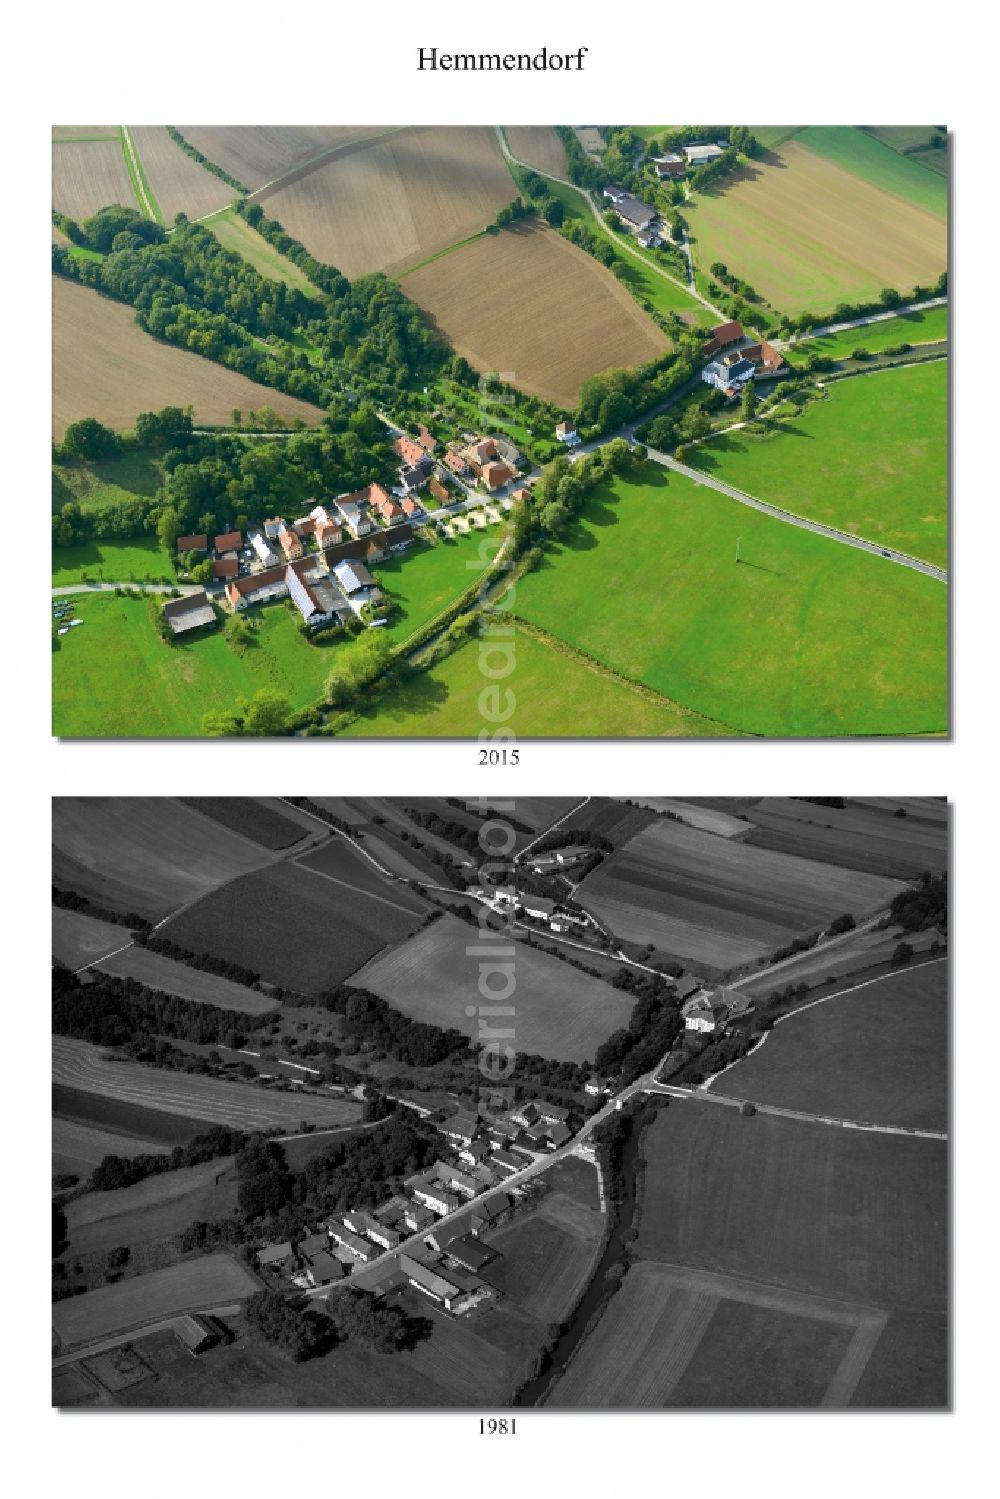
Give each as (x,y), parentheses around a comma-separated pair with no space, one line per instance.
(137,175)
(323,158)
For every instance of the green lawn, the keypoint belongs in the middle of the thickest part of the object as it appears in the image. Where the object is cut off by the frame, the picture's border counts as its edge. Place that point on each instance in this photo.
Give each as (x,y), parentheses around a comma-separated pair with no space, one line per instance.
(926,327)
(142,560)
(234,233)
(877,163)
(554,695)
(425,580)
(805,636)
(112,481)
(113,676)
(871,459)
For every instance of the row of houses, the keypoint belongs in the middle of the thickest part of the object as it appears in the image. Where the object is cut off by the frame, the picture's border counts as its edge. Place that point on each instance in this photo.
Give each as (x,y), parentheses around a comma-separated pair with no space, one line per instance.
(538,907)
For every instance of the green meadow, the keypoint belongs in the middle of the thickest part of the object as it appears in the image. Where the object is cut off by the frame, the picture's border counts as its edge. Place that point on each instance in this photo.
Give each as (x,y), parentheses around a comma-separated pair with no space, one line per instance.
(113,676)
(425,580)
(141,560)
(234,233)
(877,163)
(871,459)
(804,636)
(111,481)
(553,694)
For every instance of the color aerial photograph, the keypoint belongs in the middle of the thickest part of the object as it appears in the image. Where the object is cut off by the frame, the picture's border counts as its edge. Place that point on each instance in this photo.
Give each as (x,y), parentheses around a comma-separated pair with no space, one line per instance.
(664,406)
(559,1103)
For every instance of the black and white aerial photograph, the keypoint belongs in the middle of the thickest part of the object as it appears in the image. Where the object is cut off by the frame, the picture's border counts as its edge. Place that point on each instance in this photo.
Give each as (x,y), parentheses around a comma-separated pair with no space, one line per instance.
(553,1104)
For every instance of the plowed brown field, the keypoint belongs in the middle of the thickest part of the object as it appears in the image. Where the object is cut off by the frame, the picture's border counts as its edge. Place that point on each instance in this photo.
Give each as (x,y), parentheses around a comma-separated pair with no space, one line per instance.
(104,365)
(542,312)
(88,175)
(393,203)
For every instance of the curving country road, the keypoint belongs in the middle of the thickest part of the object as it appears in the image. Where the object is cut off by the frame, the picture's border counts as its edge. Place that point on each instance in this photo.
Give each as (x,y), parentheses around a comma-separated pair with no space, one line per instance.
(618,239)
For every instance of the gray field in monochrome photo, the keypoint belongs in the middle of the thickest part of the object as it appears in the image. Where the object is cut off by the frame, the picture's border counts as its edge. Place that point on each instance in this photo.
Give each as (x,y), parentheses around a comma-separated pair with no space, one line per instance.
(565,1103)
(663,406)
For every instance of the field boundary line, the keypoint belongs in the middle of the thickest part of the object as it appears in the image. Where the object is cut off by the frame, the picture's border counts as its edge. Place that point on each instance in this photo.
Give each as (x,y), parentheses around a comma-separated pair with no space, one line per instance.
(322,158)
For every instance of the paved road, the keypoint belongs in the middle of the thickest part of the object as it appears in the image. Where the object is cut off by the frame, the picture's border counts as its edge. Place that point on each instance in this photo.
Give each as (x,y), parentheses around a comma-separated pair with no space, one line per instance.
(860,322)
(888,553)
(110,588)
(541,1163)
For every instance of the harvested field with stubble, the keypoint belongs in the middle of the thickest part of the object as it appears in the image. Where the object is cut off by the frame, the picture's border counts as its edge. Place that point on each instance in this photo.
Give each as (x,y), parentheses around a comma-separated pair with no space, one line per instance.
(88,175)
(249,1106)
(172,977)
(506,301)
(673,1337)
(807,233)
(540,147)
(255,154)
(392,203)
(877,1053)
(77,1148)
(829,1212)
(148,854)
(560,1012)
(857,836)
(179,183)
(717,902)
(106,366)
(193,1285)
(296,927)
(252,818)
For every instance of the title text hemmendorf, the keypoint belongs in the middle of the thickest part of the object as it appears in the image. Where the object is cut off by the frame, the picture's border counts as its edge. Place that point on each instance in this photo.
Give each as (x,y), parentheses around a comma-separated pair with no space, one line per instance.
(431,60)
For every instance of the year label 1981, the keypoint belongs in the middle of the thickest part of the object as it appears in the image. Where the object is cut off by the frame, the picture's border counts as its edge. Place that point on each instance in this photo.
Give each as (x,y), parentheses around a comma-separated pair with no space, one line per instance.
(497,1426)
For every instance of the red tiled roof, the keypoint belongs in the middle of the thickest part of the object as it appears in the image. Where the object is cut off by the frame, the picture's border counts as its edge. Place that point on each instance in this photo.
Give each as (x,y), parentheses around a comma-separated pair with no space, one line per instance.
(496,474)
(438,490)
(724,334)
(229,541)
(192,543)
(455,462)
(426,439)
(226,567)
(408,450)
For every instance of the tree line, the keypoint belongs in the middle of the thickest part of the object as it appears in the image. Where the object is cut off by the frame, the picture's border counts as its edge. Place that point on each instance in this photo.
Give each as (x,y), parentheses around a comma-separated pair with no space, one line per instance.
(71,900)
(116,1171)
